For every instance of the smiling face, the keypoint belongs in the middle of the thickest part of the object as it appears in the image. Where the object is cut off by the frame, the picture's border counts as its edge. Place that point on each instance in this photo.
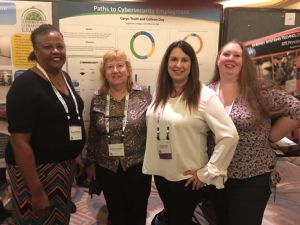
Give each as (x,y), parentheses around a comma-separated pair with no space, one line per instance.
(50,51)
(230,62)
(116,72)
(179,66)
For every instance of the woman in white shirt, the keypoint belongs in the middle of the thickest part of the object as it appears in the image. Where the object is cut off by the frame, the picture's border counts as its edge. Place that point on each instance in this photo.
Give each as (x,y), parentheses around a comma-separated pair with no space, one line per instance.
(183,110)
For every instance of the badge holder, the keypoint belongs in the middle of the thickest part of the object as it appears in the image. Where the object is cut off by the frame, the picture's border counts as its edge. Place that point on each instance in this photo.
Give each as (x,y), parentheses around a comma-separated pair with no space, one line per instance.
(164,149)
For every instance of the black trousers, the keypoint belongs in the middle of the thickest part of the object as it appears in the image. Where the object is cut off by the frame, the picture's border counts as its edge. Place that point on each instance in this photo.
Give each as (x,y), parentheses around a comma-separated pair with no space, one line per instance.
(126,194)
(179,201)
(2,176)
(242,201)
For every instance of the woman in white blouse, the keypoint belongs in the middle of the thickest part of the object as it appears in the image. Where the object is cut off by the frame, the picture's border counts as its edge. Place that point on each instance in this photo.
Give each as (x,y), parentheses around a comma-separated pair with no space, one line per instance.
(182,112)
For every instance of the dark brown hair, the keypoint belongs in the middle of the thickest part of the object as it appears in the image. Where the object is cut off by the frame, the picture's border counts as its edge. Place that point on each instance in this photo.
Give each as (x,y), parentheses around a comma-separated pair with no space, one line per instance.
(42,29)
(164,85)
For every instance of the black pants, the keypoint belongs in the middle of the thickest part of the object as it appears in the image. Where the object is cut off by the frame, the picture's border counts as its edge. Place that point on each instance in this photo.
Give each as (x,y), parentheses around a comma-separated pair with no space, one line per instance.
(242,201)
(179,201)
(126,194)
(2,176)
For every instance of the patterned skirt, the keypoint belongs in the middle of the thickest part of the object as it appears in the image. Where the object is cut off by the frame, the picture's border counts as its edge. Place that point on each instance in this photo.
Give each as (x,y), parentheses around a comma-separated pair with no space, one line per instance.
(57,180)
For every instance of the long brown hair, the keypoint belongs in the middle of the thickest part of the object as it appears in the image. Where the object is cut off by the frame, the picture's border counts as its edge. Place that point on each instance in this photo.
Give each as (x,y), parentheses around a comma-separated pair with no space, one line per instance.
(115,54)
(250,85)
(164,85)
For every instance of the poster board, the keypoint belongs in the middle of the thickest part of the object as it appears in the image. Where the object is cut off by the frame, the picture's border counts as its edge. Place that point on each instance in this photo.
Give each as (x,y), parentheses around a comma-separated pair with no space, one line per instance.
(143,32)
(91,28)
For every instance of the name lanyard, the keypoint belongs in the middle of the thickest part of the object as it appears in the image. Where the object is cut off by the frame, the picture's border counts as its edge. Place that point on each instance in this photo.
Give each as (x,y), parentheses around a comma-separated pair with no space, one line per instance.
(158,130)
(124,122)
(57,93)
(163,146)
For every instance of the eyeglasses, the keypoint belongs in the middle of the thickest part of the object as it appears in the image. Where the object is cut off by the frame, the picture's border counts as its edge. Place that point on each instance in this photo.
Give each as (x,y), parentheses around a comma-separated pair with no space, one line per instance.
(118,66)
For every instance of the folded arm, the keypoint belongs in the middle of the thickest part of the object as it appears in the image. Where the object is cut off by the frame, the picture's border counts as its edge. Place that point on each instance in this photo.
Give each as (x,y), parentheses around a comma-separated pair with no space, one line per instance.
(281,128)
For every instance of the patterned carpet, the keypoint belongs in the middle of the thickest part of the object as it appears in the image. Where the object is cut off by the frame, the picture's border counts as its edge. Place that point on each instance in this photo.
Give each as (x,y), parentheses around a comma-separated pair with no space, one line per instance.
(93,211)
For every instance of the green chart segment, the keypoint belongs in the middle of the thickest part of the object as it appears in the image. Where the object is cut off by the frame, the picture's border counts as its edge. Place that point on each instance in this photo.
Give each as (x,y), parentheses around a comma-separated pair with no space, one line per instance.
(150,37)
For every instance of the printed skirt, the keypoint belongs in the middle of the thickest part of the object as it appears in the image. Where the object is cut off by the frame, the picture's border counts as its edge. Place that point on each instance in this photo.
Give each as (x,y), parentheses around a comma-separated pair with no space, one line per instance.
(57,180)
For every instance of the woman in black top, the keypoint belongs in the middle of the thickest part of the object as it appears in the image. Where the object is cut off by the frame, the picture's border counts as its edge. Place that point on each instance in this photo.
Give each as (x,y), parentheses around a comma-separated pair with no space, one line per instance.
(45,121)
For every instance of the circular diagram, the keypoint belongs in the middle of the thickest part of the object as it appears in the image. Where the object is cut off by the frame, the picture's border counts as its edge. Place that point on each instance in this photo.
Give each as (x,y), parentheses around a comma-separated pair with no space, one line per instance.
(148,35)
(199,39)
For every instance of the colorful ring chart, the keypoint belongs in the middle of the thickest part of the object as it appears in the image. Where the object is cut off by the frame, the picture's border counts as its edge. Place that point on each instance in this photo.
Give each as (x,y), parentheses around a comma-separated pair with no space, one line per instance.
(198,37)
(132,45)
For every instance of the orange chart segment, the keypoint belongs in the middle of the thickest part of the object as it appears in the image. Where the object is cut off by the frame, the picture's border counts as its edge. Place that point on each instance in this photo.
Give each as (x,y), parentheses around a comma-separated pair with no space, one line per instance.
(191,35)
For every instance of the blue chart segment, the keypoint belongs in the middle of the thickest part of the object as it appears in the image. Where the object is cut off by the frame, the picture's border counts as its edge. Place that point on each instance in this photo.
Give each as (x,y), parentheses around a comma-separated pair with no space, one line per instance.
(198,37)
(149,36)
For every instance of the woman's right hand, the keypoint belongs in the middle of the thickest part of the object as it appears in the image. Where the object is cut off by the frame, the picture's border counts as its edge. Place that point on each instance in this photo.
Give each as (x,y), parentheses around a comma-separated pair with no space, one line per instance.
(91,171)
(195,182)
(40,203)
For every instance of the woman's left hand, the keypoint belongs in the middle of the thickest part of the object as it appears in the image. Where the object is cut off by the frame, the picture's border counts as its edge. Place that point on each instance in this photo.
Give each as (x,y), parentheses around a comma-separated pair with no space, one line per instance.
(194,180)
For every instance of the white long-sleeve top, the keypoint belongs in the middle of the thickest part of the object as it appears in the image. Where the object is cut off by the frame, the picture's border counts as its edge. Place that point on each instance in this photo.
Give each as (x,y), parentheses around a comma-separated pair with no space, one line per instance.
(188,139)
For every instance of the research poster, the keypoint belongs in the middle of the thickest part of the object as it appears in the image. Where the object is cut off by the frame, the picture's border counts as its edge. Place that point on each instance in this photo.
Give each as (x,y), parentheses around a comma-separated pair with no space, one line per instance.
(90,29)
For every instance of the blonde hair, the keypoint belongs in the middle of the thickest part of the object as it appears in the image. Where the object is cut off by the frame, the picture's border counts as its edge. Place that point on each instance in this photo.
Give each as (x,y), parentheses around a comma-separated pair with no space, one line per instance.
(115,54)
